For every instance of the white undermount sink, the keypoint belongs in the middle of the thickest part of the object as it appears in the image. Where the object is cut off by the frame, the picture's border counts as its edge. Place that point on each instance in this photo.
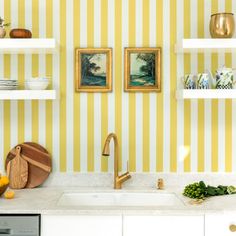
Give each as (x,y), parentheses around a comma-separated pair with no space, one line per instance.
(118,199)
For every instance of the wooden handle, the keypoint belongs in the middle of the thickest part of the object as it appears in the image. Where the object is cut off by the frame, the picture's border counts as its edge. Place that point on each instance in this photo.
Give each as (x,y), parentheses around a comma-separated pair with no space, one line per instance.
(18,149)
(232,228)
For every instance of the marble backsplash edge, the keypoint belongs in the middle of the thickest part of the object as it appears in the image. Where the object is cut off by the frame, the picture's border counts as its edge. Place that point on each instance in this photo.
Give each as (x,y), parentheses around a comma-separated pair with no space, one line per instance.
(138,179)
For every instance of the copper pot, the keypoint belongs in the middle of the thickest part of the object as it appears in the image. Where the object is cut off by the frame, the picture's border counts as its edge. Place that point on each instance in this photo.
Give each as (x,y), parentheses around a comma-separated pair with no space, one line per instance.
(20,33)
(222,25)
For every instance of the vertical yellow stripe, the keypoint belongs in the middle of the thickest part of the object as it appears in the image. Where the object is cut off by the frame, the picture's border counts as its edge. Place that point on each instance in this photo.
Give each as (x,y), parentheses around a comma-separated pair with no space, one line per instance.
(187,103)
(35,66)
(214,133)
(146,5)
(7,74)
(21,73)
(90,96)
(104,96)
(228,109)
(228,135)
(76,95)
(132,103)
(214,6)
(63,86)
(49,65)
(201,111)
(173,102)
(118,75)
(146,100)
(214,114)
(160,123)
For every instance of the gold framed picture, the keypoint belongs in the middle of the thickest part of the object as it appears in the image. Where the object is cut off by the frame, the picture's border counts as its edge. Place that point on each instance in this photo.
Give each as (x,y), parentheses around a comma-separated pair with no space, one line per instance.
(142,70)
(93,69)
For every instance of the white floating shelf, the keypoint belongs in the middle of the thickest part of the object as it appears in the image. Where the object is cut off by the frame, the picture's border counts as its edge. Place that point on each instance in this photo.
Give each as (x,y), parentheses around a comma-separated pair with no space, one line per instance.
(33,45)
(28,94)
(205,45)
(206,94)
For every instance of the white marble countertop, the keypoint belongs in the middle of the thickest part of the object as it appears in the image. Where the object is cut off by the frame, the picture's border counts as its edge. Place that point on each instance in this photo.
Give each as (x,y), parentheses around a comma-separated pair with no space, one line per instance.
(43,200)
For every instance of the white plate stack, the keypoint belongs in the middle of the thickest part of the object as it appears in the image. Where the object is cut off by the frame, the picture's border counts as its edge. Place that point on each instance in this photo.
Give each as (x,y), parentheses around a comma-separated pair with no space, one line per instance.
(7,84)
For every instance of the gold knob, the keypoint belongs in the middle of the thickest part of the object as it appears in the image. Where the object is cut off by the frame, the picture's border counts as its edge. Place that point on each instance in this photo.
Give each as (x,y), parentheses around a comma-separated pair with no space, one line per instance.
(160,184)
(232,228)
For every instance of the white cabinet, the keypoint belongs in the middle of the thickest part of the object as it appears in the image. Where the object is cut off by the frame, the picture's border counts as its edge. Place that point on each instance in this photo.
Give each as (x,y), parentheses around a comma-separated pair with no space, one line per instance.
(84,225)
(163,226)
(219,225)
(73,225)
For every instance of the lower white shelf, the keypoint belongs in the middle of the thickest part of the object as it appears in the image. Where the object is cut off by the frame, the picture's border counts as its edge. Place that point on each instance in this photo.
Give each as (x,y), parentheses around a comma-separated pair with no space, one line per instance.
(28,94)
(206,94)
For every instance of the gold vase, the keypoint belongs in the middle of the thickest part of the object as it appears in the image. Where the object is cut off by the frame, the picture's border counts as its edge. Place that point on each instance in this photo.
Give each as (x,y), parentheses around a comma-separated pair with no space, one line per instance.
(222,25)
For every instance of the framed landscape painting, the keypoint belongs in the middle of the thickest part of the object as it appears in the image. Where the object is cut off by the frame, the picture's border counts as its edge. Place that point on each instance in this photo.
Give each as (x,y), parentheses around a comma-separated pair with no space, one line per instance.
(142,70)
(93,68)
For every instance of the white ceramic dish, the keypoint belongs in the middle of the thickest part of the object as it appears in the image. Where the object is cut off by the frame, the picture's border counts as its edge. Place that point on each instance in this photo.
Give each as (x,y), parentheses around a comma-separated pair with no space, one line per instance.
(37,83)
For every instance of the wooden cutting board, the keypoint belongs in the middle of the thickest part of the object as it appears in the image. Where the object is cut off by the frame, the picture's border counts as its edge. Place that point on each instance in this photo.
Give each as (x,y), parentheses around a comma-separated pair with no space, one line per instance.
(39,162)
(17,171)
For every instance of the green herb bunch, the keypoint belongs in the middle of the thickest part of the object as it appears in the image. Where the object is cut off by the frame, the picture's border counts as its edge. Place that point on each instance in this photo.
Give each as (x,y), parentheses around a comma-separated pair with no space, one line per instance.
(199,190)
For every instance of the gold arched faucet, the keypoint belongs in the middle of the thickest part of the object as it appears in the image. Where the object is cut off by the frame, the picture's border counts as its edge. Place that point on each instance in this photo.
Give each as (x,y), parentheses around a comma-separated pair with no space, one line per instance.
(118,179)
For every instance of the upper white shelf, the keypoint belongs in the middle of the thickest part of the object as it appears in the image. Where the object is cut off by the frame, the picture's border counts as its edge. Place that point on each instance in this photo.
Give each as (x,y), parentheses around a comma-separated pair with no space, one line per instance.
(205,45)
(32,45)
(28,94)
(206,94)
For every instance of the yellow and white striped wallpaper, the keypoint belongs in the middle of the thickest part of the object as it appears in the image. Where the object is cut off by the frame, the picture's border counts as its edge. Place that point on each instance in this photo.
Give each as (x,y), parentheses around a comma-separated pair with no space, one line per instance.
(157,133)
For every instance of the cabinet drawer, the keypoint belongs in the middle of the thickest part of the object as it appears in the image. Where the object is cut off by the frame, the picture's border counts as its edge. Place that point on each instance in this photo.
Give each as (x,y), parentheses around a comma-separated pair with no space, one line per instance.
(163,225)
(54,225)
(219,225)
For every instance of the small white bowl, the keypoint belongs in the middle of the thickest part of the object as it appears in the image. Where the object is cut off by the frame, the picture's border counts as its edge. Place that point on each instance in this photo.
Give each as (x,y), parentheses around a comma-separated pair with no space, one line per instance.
(37,85)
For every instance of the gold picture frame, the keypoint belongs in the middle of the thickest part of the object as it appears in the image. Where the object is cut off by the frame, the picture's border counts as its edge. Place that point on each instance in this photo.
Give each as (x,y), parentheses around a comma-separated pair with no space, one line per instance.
(142,70)
(93,69)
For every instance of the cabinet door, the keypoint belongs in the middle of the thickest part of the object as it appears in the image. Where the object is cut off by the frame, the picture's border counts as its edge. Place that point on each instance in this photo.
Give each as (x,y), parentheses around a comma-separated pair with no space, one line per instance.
(219,225)
(163,225)
(53,225)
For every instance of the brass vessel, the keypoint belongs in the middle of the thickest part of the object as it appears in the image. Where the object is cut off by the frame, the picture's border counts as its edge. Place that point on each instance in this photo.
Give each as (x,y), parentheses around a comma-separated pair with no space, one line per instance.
(222,25)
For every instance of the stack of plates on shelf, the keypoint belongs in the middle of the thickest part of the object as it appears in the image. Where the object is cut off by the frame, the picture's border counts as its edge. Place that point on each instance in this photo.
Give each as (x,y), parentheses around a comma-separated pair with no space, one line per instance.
(6,84)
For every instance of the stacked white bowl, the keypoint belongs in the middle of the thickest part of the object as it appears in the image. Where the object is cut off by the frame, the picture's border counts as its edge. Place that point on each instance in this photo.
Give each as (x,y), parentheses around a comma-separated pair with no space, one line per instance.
(37,83)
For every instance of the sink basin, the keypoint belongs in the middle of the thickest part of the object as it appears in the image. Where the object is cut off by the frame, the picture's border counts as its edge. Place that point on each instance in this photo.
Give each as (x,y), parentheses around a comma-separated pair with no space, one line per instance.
(118,199)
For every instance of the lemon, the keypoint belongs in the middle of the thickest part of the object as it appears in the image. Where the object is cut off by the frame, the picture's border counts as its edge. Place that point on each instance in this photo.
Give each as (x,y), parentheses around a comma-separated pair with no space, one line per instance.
(9,194)
(4,180)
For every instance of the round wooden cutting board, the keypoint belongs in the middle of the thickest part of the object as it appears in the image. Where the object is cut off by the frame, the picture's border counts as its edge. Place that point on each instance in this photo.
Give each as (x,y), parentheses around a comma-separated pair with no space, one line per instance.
(39,162)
